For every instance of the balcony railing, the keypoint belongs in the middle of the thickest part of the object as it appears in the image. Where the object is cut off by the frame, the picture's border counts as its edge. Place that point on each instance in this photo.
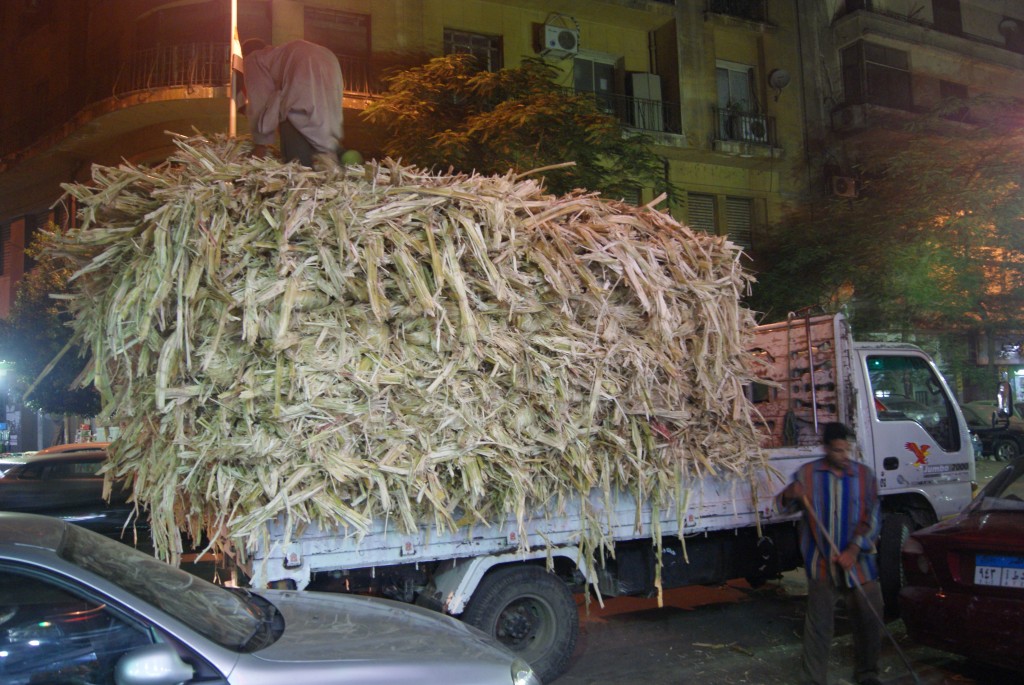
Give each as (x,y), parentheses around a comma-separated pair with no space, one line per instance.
(190,65)
(751,10)
(187,65)
(745,127)
(206,64)
(640,113)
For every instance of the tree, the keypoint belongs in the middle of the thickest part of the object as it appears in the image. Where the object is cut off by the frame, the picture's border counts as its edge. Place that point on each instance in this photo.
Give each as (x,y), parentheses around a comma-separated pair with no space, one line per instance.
(933,242)
(36,332)
(449,114)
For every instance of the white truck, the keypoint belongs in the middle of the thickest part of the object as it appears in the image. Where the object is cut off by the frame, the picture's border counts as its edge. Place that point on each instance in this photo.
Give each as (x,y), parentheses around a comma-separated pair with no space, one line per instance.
(908,428)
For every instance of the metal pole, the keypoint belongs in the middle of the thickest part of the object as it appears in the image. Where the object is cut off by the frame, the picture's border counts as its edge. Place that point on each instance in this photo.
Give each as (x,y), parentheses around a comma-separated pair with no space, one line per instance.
(856,584)
(233,85)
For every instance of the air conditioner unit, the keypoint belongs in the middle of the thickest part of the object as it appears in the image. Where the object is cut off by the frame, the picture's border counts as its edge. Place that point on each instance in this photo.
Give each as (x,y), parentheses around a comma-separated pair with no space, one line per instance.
(844,186)
(560,41)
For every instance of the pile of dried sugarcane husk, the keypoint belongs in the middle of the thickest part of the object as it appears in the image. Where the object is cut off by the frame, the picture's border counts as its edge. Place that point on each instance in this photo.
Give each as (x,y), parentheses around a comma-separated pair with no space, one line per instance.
(333,347)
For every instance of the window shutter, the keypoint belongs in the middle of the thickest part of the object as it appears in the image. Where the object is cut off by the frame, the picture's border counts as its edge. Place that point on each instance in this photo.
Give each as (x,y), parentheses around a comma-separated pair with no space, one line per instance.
(737,217)
(700,212)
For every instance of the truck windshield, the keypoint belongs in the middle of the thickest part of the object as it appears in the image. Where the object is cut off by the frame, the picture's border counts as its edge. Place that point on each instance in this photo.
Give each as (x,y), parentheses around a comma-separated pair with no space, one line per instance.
(906,388)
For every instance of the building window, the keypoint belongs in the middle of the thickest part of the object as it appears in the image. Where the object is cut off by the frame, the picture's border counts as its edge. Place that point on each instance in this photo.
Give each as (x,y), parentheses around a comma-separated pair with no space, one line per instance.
(874,74)
(735,86)
(347,35)
(738,213)
(598,77)
(700,212)
(487,49)
(343,33)
(738,110)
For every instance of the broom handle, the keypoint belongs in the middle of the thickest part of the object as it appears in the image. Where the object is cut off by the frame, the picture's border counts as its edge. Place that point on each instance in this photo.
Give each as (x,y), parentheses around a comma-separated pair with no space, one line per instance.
(856,583)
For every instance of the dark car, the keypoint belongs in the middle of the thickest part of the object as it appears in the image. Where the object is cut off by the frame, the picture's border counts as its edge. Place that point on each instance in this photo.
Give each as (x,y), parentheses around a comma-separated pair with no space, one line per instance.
(1004,442)
(65,482)
(964,590)
(9,460)
(76,607)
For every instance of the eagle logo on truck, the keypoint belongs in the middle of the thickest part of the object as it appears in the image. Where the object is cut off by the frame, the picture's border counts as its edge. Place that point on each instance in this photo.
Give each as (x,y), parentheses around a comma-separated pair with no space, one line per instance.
(920,453)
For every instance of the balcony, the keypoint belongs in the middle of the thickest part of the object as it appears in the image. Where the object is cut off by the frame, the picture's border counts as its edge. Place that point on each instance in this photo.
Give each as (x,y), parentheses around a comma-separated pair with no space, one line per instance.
(746,134)
(745,127)
(193,68)
(944,49)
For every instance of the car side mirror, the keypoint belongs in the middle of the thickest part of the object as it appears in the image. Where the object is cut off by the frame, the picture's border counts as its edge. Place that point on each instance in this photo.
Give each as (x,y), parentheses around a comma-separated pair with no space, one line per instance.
(152,665)
(1004,400)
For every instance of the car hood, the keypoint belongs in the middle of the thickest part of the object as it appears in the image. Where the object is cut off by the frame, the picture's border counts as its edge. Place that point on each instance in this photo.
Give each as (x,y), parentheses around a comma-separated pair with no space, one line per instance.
(336,627)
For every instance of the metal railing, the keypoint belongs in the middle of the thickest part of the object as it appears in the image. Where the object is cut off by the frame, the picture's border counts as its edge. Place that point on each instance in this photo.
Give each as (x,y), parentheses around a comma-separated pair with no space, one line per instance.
(639,113)
(751,10)
(746,127)
(361,76)
(206,64)
(187,65)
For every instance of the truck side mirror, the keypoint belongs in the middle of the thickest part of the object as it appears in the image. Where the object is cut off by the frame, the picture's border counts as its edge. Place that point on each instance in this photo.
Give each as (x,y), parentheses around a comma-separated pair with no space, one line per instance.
(1004,400)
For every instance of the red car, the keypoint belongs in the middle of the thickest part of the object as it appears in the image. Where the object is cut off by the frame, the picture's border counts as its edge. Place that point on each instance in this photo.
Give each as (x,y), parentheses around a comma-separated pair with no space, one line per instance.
(964,590)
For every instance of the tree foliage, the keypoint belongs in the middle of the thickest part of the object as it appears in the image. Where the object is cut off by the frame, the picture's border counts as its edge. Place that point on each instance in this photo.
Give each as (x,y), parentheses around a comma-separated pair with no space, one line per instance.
(36,332)
(934,240)
(449,114)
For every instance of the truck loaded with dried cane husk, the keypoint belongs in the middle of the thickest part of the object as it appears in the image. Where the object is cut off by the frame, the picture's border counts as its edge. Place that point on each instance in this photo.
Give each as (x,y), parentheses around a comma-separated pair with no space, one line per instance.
(463,392)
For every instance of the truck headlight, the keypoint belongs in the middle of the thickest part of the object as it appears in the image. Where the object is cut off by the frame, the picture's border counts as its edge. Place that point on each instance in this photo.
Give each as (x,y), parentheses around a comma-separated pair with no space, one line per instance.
(522,674)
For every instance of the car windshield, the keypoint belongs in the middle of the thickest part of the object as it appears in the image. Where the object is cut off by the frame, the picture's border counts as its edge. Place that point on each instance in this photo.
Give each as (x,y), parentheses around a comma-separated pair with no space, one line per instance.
(1005,492)
(232,620)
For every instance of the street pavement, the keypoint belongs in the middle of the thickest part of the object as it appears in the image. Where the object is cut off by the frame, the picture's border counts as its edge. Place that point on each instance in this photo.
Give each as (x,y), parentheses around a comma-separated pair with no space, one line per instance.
(734,634)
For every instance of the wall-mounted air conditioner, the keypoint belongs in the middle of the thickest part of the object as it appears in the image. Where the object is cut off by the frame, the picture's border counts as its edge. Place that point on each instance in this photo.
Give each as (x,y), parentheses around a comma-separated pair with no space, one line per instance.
(560,41)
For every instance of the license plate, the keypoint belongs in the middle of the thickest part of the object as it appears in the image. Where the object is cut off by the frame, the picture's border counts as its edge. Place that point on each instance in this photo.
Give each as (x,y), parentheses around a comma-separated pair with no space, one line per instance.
(998,571)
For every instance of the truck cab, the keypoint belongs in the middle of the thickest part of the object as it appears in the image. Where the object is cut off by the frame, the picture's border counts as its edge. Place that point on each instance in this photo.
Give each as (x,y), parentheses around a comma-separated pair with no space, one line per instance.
(909,428)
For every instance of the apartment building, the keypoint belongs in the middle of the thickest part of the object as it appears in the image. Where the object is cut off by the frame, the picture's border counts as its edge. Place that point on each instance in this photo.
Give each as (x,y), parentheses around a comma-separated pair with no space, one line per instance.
(716,83)
(869,64)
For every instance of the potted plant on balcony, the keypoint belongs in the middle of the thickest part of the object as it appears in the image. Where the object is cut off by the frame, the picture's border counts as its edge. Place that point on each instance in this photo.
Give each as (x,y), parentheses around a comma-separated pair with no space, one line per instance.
(742,123)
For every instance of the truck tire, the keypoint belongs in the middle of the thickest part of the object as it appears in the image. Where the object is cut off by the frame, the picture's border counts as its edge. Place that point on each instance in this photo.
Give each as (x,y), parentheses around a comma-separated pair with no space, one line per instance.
(1006,449)
(896,529)
(530,611)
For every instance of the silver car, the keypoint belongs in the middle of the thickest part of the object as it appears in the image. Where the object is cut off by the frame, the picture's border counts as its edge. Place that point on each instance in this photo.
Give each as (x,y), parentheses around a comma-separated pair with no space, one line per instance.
(79,607)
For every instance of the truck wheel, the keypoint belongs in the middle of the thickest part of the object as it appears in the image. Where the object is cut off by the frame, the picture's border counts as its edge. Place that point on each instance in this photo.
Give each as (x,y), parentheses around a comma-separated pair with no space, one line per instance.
(1006,449)
(896,529)
(530,611)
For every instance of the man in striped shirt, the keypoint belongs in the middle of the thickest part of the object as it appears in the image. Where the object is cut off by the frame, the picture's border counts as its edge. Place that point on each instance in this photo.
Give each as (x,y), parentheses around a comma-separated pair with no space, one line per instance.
(842,495)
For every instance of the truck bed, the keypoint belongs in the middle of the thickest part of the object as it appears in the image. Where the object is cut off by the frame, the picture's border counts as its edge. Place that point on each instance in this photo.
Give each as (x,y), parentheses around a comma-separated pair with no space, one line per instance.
(712,503)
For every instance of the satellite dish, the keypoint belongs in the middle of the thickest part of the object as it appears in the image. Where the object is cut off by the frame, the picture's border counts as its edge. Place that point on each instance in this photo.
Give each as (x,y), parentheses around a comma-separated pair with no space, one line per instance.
(778,79)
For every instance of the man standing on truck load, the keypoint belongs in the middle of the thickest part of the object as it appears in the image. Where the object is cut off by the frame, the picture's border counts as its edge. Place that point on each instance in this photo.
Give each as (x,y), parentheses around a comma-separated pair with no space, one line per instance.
(297,87)
(841,496)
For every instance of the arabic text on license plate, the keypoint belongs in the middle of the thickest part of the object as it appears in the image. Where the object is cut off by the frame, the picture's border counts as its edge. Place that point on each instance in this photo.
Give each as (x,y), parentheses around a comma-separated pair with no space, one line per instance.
(990,569)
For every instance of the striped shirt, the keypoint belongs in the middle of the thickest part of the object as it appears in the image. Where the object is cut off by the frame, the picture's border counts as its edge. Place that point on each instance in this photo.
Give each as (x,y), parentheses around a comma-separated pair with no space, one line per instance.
(847,506)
